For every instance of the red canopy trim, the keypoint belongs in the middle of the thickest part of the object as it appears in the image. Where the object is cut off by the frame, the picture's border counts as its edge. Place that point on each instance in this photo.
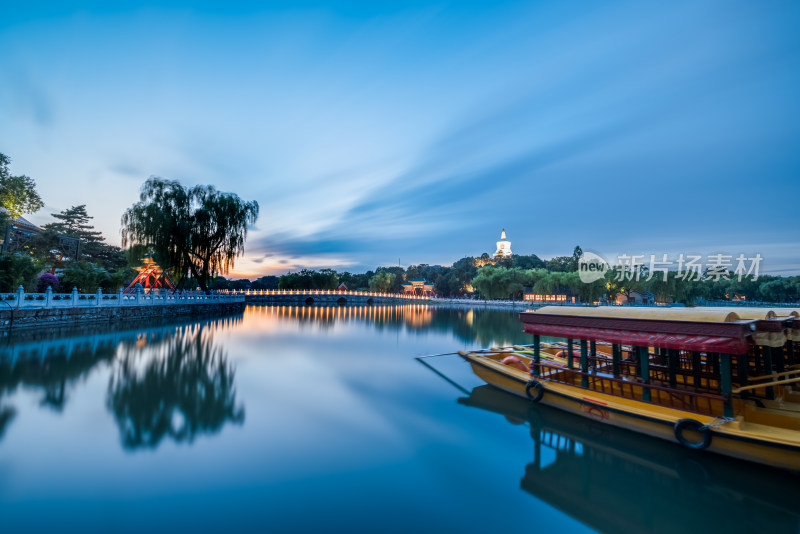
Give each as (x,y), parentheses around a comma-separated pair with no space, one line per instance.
(731,337)
(644,339)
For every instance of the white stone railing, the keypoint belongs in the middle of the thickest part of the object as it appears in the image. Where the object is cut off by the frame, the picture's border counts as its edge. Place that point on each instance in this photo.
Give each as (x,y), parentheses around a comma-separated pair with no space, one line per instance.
(48,299)
(332,292)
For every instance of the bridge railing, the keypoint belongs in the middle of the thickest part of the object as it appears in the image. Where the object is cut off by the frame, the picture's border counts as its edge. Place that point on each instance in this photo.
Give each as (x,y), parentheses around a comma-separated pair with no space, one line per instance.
(321,292)
(49,299)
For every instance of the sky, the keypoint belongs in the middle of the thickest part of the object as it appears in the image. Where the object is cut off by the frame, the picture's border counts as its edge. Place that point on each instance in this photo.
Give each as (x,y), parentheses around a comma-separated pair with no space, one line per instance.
(379,133)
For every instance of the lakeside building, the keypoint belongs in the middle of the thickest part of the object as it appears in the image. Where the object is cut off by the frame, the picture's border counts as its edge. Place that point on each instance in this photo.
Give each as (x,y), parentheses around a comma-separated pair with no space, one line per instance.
(555,298)
(17,233)
(636,297)
(419,287)
(503,246)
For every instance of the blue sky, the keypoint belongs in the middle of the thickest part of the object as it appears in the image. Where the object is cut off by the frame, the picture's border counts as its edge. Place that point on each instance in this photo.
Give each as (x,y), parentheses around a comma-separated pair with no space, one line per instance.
(409,131)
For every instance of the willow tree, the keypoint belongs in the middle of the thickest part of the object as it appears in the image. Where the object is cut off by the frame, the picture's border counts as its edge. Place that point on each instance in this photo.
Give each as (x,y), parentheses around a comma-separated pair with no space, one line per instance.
(196,231)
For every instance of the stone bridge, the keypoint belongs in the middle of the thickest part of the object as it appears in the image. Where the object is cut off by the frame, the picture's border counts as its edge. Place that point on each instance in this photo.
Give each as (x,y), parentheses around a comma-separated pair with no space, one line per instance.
(325,297)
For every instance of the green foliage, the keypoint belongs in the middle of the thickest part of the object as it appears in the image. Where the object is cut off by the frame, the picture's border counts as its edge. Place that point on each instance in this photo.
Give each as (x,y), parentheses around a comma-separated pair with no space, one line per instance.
(309,279)
(17,193)
(118,279)
(196,231)
(561,264)
(17,270)
(355,282)
(74,222)
(265,282)
(383,281)
(84,275)
(497,282)
(531,261)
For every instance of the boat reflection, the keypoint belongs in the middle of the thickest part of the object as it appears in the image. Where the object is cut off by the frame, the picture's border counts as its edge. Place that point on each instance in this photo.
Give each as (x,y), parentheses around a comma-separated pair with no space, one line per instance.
(183,386)
(168,371)
(614,480)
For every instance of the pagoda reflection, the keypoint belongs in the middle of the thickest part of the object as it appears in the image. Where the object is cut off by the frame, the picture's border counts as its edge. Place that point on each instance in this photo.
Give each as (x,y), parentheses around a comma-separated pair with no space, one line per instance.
(614,480)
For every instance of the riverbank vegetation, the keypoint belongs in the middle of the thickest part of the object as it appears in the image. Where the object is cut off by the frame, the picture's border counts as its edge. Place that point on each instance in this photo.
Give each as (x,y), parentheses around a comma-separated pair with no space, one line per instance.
(197,232)
(483,277)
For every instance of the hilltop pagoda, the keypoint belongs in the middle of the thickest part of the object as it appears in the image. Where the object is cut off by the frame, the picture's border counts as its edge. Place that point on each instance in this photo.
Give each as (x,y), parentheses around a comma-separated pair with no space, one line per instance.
(503,246)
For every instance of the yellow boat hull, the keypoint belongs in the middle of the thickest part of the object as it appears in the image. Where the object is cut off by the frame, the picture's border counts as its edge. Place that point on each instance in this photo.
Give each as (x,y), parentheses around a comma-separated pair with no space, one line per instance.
(738,438)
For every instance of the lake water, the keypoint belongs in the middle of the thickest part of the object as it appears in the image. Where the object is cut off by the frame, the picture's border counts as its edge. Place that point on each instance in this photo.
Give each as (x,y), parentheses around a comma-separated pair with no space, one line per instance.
(303,419)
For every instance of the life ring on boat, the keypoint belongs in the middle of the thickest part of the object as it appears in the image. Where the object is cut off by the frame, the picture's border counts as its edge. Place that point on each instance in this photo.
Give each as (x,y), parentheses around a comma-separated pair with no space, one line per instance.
(516,362)
(693,426)
(538,387)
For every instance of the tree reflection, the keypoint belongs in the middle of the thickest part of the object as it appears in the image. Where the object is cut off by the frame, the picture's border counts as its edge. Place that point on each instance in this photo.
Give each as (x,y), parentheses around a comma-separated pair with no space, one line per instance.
(483,326)
(6,415)
(53,369)
(184,389)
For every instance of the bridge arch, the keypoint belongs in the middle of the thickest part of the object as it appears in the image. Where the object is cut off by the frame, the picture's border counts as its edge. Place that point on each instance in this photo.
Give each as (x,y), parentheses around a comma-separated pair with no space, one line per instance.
(341,301)
(370,302)
(309,301)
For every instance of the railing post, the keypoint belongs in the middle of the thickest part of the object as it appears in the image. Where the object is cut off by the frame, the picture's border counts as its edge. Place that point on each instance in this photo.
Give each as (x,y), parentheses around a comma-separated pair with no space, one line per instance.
(535,371)
(99,297)
(673,357)
(48,296)
(644,369)
(570,355)
(769,368)
(119,297)
(74,296)
(725,383)
(20,296)
(584,363)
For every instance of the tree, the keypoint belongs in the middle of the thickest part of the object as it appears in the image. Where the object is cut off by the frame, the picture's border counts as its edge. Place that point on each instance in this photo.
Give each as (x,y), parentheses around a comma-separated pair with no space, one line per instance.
(86,276)
(382,281)
(17,270)
(17,193)
(196,231)
(265,282)
(561,264)
(531,261)
(74,222)
(576,257)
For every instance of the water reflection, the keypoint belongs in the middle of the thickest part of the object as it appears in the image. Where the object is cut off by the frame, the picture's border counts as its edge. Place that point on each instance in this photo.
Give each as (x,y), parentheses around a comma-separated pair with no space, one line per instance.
(182,388)
(51,366)
(617,481)
(473,325)
(183,376)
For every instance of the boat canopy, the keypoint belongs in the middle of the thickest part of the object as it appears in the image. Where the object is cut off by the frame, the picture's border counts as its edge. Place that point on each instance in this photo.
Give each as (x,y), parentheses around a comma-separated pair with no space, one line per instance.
(714,315)
(670,328)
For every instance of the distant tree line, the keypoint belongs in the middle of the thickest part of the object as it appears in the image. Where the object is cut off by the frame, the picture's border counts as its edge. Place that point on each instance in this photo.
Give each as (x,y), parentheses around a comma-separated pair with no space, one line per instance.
(197,233)
(490,278)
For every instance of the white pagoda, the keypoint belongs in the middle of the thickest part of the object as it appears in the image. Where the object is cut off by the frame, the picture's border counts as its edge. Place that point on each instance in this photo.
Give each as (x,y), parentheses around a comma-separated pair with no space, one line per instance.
(503,246)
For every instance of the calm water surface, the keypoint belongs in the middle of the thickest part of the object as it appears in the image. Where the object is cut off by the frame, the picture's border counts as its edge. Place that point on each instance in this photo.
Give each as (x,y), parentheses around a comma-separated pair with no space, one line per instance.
(300,419)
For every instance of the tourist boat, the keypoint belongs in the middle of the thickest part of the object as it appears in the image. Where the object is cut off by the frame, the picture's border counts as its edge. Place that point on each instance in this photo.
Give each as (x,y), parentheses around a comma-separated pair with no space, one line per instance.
(707,378)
